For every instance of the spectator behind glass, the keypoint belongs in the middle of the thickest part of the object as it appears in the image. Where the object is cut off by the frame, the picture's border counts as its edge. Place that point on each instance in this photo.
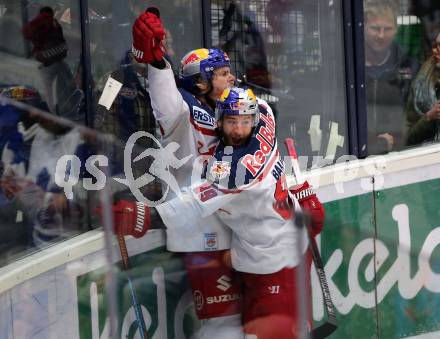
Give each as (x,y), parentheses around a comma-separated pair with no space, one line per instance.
(50,48)
(241,39)
(428,12)
(423,109)
(29,158)
(130,112)
(388,77)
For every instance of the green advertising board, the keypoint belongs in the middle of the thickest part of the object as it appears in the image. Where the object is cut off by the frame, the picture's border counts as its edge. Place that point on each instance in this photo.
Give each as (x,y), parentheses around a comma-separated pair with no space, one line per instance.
(383,263)
(161,287)
(348,223)
(380,254)
(408,259)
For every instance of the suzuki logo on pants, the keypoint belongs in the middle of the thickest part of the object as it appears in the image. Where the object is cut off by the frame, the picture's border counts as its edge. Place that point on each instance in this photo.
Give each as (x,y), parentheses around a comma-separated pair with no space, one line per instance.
(224,283)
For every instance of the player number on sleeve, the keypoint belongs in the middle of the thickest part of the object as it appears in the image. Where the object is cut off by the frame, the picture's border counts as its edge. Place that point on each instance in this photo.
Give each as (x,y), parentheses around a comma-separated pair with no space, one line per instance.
(206,192)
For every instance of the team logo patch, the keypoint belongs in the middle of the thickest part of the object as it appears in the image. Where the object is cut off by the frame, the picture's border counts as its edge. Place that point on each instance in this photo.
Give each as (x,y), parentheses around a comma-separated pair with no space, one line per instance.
(211,241)
(220,170)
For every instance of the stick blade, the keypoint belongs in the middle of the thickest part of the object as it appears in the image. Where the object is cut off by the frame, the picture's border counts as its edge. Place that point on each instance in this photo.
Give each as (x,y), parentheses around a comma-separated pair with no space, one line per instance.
(324,330)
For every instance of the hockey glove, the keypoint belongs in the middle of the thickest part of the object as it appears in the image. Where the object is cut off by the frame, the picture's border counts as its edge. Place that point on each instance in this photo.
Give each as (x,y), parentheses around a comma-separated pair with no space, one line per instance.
(130,218)
(148,35)
(310,204)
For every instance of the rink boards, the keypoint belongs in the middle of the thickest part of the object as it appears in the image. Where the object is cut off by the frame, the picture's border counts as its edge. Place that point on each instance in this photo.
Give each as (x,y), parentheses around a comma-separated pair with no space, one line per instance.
(379,246)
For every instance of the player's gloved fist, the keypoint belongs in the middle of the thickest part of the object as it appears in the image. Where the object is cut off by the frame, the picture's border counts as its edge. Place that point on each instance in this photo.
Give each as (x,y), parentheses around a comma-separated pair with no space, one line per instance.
(131,218)
(148,35)
(310,203)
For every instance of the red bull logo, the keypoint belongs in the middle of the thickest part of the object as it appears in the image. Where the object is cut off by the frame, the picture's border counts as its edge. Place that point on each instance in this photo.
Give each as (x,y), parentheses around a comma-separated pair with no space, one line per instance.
(197,55)
(191,58)
(266,136)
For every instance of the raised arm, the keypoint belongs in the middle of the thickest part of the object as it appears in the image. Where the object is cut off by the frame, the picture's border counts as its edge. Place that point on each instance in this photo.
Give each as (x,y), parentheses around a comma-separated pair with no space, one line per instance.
(148,35)
(167,102)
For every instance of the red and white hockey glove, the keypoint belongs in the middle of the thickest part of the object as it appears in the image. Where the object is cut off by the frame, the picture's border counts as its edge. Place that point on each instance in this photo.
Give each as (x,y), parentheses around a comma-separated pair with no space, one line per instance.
(148,35)
(129,218)
(310,203)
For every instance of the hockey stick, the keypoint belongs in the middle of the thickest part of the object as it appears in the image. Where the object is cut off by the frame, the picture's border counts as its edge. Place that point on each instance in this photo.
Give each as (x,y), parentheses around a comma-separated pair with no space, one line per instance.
(330,325)
(137,307)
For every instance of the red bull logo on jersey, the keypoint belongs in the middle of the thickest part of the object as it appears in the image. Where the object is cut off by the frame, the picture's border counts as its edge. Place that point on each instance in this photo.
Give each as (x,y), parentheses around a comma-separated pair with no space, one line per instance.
(268,131)
(266,136)
(211,241)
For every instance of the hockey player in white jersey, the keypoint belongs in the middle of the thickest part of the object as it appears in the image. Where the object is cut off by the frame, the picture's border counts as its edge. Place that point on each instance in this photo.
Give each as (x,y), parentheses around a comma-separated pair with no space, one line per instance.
(245,187)
(186,117)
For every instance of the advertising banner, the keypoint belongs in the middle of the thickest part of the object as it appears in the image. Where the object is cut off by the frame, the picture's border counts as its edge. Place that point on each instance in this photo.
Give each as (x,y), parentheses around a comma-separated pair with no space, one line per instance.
(380,252)
(161,287)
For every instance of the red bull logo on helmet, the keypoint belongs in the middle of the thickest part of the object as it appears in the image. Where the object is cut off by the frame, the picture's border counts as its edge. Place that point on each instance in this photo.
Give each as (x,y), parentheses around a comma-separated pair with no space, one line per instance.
(196,55)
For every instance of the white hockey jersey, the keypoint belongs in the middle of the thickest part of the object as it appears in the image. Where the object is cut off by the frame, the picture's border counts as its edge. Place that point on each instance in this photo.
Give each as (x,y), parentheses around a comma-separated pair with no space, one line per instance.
(245,187)
(191,124)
